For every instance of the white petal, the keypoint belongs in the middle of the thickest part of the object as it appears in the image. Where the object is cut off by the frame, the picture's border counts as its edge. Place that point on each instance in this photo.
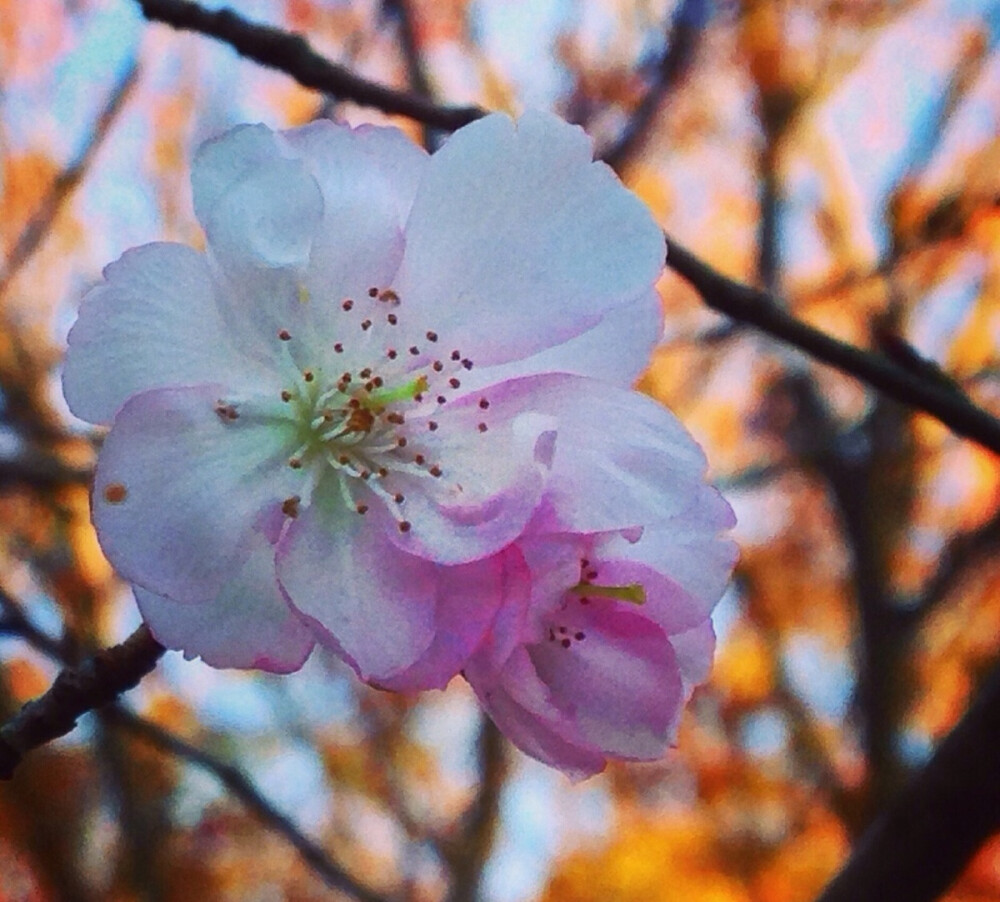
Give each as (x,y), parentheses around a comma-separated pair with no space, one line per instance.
(153,322)
(179,489)
(617,349)
(517,241)
(259,207)
(248,624)
(377,603)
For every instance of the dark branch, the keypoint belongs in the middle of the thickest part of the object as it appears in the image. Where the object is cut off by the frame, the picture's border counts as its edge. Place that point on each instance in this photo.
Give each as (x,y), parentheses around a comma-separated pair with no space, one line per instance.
(95,682)
(922,843)
(685,27)
(468,854)
(292,54)
(757,308)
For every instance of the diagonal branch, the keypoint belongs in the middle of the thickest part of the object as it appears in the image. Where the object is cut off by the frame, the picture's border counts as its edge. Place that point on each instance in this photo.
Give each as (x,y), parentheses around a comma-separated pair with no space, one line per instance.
(239,785)
(921,844)
(95,682)
(757,308)
(686,25)
(38,227)
(292,54)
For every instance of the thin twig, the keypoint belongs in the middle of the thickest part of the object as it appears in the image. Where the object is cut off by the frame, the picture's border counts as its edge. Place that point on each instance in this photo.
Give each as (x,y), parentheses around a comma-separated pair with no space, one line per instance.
(468,854)
(292,54)
(229,775)
(38,226)
(237,783)
(93,683)
(686,25)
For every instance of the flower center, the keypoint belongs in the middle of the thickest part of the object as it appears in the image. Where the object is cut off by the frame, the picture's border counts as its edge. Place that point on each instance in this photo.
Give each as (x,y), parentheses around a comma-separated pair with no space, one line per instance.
(366,411)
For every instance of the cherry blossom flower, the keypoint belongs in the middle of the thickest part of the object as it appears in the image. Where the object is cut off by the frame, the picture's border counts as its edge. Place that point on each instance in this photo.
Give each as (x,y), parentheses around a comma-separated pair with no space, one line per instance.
(596,655)
(324,427)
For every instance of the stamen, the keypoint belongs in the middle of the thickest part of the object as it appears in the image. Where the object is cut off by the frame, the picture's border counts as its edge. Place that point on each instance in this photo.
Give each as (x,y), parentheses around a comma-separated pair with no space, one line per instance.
(290,506)
(372,292)
(115,493)
(405,526)
(347,305)
(484,404)
(284,335)
(432,336)
(633,593)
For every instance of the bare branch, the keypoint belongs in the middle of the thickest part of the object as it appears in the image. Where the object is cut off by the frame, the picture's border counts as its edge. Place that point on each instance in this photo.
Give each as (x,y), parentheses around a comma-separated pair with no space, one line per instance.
(921,844)
(95,682)
(34,232)
(237,783)
(685,27)
(292,54)
(762,310)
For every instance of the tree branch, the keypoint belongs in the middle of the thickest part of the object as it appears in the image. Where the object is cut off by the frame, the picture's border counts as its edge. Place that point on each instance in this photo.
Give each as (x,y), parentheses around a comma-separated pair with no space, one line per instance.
(292,54)
(685,27)
(95,682)
(237,783)
(759,309)
(38,226)
(921,844)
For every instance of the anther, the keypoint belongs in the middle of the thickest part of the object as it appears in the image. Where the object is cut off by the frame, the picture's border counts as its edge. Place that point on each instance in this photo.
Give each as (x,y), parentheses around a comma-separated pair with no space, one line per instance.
(483,427)
(438,366)
(398,498)
(366,325)
(339,348)
(484,404)
(441,399)
(405,526)
(290,506)
(392,319)
(362,508)
(454,383)
(389,296)
(286,396)
(372,292)
(419,460)
(591,574)
(346,377)
(565,643)
(343,460)
(432,336)
(401,441)
(365,373)
(432,425)
(115,493)
(456,355)
(414,350)
(435,470)
(347,305)
(285,335)
(580,636)
(383,472)
(295,463)
(378,382)
(308,375)
(467,363)
(391,354)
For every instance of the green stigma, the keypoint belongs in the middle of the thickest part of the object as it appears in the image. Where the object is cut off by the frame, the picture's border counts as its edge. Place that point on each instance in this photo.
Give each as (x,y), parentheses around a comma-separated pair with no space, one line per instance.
(633,593)
(406,392)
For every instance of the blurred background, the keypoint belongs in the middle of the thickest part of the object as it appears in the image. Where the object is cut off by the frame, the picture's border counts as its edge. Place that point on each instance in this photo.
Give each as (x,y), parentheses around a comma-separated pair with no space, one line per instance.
(843,153)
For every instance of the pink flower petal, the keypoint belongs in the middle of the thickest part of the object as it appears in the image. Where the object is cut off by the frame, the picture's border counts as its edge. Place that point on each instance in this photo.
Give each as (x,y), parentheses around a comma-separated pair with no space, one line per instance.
(517,241)
(616,349)
(179,487)
(383,608)
(153,322)
(248,624)
(490,481)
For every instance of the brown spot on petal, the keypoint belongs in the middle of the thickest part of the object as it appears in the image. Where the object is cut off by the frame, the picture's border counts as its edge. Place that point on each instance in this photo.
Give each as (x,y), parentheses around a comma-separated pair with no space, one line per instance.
(115,493)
